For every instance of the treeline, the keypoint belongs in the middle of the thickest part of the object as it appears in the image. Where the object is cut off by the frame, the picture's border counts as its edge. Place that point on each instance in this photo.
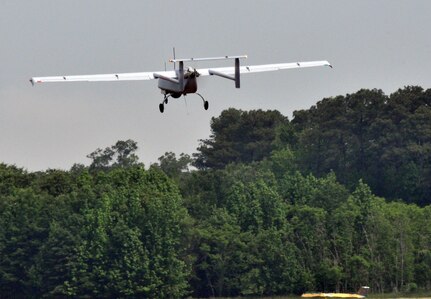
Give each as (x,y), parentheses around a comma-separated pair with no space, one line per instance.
(118,233)
(255,219)
(383,140)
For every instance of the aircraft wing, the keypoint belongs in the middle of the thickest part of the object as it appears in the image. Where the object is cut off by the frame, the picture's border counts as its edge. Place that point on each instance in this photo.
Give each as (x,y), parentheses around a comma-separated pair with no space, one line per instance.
(105,77)
(263,67)
(173,74)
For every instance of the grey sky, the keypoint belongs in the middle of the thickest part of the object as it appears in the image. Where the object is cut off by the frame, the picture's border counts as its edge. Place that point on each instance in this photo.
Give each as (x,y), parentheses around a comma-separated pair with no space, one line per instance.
(372,44)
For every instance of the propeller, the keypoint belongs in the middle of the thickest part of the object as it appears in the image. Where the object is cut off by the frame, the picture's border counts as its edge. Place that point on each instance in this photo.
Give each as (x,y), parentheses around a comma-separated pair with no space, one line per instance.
(191,73)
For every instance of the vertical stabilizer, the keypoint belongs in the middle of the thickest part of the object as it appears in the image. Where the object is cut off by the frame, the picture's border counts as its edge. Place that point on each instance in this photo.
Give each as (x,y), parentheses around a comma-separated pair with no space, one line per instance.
(173,50)
(181,75)
(237,80)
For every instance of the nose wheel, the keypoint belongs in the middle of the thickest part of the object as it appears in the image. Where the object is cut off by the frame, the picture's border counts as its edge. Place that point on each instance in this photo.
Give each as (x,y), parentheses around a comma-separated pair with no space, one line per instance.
(162,104)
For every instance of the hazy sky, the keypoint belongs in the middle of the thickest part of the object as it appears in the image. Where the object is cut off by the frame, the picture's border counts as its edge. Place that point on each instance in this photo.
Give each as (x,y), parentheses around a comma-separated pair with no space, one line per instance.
(372,44)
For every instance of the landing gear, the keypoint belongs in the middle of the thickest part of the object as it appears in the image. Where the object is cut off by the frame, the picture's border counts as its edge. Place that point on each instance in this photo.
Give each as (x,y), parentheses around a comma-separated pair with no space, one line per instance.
(165,101)
(162,104)
(206,104)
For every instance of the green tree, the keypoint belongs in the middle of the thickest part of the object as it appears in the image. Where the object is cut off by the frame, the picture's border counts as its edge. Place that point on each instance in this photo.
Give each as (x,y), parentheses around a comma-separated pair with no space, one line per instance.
(274,269)
(334,134)
(23,230)
(172,166)
(12,178)
(344,251)
(53,182)
(132,238)
(239,136)
(309,236)
(121,154)
(221,256)
(381,139)
(325,192)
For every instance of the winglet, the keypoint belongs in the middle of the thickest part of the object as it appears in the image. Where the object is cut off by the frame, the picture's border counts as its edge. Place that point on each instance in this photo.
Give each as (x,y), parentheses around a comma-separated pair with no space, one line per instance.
(32,81)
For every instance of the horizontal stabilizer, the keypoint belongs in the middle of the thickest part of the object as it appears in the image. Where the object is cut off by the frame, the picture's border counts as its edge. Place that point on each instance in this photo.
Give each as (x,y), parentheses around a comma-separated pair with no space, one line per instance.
(209,58)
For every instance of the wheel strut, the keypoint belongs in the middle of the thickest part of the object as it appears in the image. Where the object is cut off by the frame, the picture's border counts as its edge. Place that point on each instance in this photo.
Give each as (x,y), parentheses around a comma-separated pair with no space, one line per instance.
(206,104)
(162,104)
(165,101)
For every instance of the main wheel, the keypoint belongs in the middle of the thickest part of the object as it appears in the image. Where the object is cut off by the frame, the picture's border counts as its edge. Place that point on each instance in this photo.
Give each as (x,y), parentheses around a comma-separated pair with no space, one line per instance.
(161,108)
(206,105)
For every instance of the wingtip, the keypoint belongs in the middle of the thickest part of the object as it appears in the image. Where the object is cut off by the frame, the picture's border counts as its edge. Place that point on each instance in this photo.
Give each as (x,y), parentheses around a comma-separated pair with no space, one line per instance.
(32,81)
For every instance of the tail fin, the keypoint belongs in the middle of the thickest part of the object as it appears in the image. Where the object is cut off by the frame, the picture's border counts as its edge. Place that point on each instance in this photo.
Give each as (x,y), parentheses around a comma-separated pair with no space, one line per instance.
(173,50)
(363,290)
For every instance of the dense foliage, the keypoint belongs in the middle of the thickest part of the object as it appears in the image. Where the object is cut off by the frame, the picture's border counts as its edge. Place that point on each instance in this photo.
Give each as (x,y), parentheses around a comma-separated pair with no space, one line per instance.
(111,234)
(276,207)
(239,136)
(385,140)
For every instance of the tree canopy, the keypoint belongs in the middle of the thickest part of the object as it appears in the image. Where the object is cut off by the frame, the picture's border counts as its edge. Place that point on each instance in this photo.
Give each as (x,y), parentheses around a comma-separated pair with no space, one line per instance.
(384,140)
(239,136)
